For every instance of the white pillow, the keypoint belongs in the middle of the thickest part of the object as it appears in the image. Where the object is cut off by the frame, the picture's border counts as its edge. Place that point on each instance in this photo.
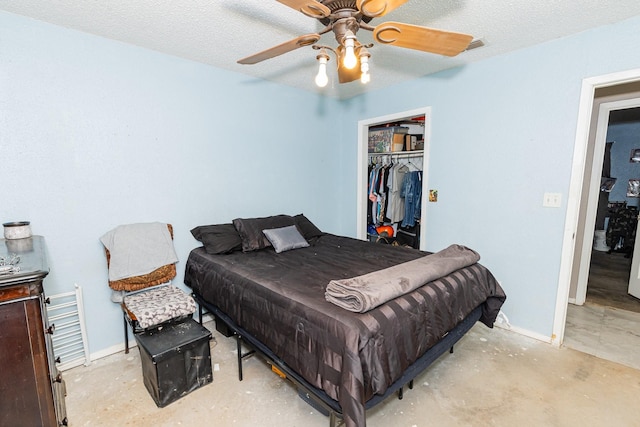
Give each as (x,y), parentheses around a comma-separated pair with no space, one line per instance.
(285,238)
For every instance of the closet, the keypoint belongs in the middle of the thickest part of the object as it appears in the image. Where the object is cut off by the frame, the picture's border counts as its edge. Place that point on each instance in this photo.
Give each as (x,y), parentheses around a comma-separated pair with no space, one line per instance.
(394,201)
(392,179)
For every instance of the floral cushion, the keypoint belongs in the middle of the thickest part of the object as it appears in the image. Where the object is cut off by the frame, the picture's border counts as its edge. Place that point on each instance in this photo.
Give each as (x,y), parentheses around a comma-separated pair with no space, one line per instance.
(160,304)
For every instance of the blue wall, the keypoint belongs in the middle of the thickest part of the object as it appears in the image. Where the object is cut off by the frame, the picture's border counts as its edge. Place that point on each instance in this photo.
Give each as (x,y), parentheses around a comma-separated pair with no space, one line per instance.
(96,133)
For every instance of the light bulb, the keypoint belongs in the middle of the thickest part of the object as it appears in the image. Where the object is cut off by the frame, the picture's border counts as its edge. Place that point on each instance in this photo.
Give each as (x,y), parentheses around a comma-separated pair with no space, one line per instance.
(364,69)
(350,60)
(321,78)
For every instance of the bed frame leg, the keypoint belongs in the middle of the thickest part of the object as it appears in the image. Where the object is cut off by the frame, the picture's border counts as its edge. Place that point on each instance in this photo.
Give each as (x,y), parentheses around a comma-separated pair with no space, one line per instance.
(451,350)
(126,335)
(238,340)
(401,391)
(241,356)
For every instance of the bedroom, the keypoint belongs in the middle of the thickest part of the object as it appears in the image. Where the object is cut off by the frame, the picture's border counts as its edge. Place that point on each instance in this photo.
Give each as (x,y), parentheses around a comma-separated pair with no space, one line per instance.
(97,133)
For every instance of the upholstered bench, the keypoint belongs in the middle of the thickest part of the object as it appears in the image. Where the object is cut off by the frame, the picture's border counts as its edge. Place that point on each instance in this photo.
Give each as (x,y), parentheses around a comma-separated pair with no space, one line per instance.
(155,306)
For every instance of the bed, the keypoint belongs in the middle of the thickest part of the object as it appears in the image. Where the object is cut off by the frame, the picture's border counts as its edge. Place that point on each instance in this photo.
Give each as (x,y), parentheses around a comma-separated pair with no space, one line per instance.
(344,360)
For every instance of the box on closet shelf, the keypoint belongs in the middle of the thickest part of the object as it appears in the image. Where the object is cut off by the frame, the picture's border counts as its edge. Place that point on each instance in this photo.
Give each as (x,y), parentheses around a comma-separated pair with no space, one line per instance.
(386,139)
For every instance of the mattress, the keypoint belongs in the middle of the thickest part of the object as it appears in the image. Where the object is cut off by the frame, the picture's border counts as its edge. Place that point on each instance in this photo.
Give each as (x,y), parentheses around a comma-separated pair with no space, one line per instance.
(279,299)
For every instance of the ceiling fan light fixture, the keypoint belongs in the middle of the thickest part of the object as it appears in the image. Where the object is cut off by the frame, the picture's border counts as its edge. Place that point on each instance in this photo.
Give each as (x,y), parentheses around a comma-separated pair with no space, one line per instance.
(350,60)
(344,18)
(322,78)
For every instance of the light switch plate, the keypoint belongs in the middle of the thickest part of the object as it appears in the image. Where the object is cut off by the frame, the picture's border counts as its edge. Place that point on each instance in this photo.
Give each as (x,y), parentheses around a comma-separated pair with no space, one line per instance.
(552,200)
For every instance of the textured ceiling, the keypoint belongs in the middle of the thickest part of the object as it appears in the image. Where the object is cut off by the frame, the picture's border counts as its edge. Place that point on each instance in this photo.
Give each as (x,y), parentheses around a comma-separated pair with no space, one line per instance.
(219,32)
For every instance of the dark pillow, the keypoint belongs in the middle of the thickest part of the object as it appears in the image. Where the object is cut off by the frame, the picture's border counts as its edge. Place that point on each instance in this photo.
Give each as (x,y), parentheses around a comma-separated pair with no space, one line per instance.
(218,239)
(306,227)
(198,231)
(286,238)
(250,230)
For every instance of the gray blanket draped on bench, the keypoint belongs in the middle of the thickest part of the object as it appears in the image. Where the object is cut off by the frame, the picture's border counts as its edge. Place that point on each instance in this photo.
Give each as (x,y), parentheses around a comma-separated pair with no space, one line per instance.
(361,294)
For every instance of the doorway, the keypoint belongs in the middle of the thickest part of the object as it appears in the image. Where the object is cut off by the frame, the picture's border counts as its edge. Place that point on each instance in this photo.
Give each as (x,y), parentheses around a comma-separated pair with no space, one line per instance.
(612,253)
(598,328)
(599,206)
(619,91)
(575,231)
(363,162)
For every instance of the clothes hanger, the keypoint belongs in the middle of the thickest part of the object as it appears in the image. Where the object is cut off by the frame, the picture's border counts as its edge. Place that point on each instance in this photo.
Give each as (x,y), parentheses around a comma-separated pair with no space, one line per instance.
(414,165)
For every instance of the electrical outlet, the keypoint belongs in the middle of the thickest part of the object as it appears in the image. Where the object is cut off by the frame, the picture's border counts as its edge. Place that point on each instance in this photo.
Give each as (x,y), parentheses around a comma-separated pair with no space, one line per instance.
(552,200)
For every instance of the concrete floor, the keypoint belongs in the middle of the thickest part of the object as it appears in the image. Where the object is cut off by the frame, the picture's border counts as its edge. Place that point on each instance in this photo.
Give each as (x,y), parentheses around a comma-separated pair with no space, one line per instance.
(494,378)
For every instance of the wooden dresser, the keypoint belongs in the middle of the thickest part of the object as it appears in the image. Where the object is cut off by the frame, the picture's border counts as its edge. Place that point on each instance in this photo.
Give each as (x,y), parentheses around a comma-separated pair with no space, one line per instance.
(31,388)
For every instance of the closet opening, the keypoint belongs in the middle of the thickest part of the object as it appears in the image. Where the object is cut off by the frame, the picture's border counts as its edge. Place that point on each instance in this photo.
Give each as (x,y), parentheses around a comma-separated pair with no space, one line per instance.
(392,177)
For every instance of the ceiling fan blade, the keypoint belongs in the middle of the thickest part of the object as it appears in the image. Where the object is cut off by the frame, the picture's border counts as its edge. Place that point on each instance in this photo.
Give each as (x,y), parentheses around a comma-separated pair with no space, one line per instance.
(375,8)
(285,47)
(311,8)
(422,38)
(346,75)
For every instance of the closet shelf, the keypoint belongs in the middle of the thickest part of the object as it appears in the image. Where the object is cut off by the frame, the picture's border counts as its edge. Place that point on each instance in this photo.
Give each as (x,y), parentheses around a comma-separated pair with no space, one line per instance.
(416,153)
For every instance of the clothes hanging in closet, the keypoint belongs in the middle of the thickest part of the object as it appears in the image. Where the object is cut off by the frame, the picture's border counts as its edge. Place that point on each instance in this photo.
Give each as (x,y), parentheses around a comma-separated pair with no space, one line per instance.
(394,193)
(411,191)
(378,193)
(395,208)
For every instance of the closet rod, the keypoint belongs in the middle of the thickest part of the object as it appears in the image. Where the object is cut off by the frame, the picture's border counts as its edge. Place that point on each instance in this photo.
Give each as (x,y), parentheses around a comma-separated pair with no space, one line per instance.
(399,154)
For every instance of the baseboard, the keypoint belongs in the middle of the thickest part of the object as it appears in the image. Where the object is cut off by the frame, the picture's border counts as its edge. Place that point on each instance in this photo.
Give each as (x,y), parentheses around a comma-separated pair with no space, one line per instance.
(525,332)
(112,350)
(98,355)
(72,364)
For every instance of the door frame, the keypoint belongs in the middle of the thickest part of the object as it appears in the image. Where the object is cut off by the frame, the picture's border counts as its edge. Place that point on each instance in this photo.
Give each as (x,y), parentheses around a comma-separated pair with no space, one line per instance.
(587,93)
(635,270)
(600,141)
(363,162)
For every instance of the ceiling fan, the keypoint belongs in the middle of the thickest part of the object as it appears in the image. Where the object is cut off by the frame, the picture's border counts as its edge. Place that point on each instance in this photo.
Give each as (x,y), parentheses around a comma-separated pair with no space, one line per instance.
(345,18)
